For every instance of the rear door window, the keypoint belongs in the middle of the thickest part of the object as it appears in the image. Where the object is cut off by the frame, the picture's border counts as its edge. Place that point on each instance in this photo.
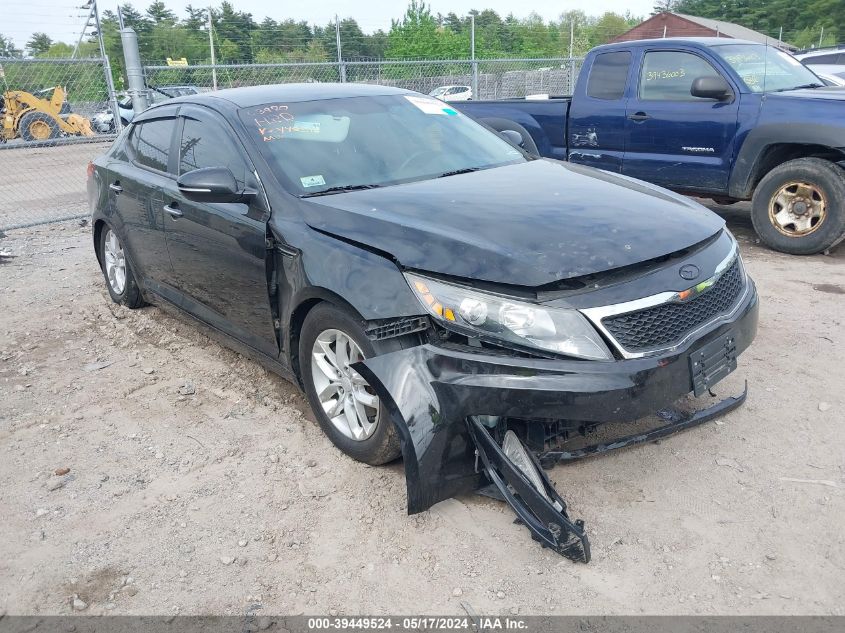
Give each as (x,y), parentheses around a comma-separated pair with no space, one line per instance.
(151,143)
(668,75)
(609,75)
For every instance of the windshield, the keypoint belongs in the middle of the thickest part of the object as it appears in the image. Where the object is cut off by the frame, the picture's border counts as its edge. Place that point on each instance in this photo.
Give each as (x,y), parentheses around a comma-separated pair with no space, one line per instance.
(765,68)
(358,142)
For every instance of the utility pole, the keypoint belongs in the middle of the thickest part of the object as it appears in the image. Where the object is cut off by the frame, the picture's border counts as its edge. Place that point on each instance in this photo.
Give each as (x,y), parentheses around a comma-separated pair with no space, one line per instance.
(571,56)
(474,63)
(821,37)
(341,67)
(780,37)
(90,5)
(118,125)
(211,46)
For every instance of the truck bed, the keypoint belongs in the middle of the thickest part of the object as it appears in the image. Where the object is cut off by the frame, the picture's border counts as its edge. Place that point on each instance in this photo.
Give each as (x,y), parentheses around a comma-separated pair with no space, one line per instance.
(543,119)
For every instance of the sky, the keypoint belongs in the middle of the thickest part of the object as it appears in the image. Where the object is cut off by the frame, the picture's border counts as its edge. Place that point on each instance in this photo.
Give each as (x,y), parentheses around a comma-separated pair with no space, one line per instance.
(63,21)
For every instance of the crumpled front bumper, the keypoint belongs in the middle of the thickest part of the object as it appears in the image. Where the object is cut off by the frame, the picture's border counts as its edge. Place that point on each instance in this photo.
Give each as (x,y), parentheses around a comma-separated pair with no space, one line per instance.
(431,391)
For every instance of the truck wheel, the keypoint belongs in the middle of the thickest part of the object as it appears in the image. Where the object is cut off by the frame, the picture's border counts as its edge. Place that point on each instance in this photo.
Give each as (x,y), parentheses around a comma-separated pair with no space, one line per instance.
(345,406)
(38,126)
(799,207)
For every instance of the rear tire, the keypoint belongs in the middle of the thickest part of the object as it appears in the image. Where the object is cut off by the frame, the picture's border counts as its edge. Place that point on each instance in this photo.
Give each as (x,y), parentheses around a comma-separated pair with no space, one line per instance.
(799,207)
(120,278)
(38,126)
(345,414)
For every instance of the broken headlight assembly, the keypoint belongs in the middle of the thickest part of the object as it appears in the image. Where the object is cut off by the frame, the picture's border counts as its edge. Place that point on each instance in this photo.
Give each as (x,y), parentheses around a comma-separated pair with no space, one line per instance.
(508,320)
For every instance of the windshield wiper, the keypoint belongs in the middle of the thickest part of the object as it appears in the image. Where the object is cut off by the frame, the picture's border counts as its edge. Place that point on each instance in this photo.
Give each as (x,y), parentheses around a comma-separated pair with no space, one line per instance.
(458,172)
(340,189)
(801,87)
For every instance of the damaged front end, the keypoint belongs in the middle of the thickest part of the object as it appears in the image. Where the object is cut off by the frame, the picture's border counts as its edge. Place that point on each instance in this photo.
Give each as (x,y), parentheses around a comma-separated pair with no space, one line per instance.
(469,418)
(519,480)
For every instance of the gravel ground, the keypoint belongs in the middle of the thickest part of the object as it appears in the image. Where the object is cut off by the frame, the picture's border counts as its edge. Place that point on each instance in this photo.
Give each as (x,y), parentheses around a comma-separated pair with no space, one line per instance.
(145,469)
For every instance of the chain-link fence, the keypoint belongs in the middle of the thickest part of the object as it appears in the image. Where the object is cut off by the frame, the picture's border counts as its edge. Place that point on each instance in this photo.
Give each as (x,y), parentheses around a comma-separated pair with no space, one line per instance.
(496,78)
(56,116)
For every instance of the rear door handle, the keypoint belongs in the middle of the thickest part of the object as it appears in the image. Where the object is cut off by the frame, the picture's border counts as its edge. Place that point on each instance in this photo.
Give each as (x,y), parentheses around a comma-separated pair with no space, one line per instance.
(115,186)
(639,116)
(174,211)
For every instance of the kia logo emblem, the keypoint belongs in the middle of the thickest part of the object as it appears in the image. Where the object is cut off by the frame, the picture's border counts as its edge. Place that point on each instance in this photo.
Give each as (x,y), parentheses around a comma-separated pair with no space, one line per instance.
(689,272)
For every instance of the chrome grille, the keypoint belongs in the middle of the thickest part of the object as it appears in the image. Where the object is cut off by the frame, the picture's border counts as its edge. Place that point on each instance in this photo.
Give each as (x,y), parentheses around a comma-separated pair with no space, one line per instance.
(667,324)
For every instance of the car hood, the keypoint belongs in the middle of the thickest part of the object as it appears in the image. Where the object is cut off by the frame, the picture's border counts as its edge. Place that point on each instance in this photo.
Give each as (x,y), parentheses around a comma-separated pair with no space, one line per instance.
(527,224)
(828,93)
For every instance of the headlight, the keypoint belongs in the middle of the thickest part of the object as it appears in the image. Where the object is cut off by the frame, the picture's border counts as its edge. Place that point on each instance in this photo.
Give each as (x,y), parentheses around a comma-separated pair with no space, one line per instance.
(558,330)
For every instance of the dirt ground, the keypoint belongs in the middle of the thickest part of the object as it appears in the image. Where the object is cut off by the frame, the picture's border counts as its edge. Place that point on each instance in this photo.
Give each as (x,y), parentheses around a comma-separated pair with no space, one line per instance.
(197,483)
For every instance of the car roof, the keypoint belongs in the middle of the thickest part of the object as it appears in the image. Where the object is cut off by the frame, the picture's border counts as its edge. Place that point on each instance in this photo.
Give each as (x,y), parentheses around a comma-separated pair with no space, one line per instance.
(818,52)
(670,41)
(291,93)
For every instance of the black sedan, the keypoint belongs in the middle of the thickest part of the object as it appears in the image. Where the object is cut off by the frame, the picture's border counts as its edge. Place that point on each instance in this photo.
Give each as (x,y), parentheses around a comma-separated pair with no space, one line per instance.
(437,292)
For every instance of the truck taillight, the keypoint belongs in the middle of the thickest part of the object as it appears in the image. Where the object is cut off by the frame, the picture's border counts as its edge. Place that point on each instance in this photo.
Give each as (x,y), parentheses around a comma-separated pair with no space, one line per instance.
(90,170)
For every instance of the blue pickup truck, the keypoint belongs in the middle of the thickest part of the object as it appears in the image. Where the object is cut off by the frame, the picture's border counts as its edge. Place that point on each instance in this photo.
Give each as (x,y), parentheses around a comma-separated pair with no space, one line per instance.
(710,117)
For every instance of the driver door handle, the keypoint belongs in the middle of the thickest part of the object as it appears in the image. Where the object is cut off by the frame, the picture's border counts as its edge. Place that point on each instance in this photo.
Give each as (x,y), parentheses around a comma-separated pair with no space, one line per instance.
(639,116)
(173,211)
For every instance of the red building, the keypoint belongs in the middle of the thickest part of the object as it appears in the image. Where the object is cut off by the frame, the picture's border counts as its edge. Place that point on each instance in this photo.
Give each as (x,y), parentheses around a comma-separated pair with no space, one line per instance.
(679,25)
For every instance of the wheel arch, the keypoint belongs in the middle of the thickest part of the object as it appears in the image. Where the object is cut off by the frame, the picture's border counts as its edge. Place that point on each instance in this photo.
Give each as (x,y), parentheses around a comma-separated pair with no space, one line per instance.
(308,299)
(98,226)
(97,232)
(766,148)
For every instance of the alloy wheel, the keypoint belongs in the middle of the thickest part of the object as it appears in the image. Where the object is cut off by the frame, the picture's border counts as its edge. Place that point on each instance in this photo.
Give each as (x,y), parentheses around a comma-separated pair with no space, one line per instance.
(115,262)
(347,400)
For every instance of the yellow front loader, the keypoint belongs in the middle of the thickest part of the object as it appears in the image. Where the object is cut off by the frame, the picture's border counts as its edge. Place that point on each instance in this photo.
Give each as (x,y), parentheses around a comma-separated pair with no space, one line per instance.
(32,118)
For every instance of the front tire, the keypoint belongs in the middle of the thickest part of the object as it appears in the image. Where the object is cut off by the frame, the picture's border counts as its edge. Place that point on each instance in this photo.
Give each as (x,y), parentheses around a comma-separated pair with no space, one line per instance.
(346,407)
(799,207)
(120,278)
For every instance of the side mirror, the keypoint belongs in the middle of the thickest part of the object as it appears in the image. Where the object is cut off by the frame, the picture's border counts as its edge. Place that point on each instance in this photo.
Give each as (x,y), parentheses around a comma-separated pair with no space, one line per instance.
(711,88)
(211,184)
(512,136)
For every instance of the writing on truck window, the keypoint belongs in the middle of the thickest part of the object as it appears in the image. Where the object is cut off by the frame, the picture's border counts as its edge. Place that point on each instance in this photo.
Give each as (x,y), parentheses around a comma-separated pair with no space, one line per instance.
(654,75)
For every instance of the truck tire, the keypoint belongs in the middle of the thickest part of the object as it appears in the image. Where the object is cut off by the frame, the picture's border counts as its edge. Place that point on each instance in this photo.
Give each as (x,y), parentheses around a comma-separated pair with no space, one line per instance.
(799,207)
(38,126)
(360,424)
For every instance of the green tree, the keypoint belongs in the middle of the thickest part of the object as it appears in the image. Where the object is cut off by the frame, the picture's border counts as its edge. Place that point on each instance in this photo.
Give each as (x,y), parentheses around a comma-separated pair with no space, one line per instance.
(38,44)
(661,6)
(417,35)
(197,18)
(7,47)
(802,22)
(606,28)
(158,13)
(60,50)
(232,30)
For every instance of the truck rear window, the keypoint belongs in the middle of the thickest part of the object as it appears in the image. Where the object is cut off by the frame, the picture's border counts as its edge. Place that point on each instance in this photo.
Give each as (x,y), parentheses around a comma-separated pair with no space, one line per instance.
(609,75)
